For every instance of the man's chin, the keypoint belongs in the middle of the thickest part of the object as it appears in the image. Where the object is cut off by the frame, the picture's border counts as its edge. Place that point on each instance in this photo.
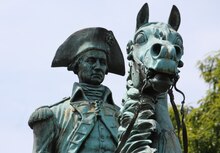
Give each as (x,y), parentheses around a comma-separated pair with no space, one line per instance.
(96,81)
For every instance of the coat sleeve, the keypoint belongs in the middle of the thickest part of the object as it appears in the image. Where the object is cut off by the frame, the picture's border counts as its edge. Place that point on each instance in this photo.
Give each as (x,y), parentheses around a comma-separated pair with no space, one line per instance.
(43,125)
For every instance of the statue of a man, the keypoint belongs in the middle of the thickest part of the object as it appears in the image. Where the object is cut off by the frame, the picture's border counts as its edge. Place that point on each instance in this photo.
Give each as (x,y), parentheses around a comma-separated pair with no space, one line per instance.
(87,121)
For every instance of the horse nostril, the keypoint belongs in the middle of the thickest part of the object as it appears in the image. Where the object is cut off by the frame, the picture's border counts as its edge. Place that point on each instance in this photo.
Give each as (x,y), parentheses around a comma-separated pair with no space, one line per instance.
(156,48)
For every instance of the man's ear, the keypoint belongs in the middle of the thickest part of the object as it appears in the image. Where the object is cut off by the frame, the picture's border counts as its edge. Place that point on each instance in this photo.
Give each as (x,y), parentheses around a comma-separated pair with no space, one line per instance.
(106,72)
(74,66)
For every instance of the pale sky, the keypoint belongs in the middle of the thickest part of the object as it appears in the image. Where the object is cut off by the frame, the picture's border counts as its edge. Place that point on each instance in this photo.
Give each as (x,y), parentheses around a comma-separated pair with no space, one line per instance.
(31,32)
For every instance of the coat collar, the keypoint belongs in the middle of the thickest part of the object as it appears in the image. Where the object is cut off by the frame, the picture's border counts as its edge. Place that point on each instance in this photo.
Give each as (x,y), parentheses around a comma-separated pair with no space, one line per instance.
(79,95)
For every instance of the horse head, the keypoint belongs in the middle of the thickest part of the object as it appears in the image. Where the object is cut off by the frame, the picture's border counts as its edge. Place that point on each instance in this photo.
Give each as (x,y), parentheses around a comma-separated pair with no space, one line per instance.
(155,52)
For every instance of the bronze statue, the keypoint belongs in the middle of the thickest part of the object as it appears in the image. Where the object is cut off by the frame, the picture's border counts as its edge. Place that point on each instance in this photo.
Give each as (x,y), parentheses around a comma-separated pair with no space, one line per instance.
(155,56)
(87,122)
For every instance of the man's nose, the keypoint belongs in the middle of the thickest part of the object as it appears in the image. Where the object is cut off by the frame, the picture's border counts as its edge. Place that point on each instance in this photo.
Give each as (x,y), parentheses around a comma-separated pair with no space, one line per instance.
(97,65)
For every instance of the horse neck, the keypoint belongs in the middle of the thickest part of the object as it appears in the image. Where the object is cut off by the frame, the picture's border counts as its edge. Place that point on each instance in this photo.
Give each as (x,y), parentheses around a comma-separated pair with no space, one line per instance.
(161,110)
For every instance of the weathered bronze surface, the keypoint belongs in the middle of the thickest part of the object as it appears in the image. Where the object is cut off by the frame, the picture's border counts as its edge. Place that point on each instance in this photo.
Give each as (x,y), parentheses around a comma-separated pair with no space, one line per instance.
(155,56)
(86,122)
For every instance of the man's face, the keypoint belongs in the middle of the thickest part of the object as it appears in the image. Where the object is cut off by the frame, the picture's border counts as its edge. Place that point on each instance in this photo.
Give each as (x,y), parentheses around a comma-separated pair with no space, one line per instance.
(92,67)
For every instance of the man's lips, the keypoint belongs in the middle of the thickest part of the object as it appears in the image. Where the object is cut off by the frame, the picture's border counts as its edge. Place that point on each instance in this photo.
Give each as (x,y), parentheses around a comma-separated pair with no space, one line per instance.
(97,76)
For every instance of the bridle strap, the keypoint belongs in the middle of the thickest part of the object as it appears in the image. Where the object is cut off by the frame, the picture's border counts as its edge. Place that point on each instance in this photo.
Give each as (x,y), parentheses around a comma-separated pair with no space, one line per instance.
(175,110)
(139,63)
(184,130)
(180,124)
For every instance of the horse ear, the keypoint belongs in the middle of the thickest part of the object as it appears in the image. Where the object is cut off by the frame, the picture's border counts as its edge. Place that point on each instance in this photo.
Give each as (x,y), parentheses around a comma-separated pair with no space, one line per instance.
(174,19)
(143,16)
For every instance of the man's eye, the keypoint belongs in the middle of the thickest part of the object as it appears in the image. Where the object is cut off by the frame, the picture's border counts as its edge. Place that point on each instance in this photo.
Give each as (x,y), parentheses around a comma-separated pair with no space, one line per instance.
(91,60)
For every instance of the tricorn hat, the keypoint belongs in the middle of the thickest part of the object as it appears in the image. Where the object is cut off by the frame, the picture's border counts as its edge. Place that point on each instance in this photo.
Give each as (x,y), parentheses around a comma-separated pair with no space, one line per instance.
(96,38)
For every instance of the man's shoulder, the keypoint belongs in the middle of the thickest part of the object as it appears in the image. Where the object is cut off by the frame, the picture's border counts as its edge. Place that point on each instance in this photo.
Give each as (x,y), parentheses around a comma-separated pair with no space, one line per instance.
(117,107)
(64,101)
(47,112)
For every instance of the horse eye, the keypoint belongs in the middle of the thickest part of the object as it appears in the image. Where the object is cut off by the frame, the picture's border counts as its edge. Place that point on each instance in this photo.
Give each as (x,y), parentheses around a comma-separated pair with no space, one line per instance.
(179,42)
(140,38)
(179,51)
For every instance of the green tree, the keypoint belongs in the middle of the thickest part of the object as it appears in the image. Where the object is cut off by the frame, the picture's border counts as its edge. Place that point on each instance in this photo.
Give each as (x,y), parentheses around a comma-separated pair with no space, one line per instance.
(203,123)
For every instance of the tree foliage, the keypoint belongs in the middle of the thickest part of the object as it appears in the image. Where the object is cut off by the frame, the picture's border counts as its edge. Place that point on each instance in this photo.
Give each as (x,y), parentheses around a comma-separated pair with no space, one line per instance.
(203,123)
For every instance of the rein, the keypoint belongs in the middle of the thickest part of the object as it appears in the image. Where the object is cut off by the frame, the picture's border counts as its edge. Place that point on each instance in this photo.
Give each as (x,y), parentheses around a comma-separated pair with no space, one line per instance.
(128,130)
(180,124)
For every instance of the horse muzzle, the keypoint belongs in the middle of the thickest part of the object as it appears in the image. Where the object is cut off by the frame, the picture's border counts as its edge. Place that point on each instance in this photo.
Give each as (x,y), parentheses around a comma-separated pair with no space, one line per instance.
(161,74)
(161,82)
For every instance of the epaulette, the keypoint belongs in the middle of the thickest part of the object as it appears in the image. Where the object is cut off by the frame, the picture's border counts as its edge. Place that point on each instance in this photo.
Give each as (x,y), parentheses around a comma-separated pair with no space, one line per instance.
(40,114)
(43,113)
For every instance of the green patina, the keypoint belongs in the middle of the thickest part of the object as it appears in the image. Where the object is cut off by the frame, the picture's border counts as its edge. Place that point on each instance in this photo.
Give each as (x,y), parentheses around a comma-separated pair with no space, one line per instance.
(88,120)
